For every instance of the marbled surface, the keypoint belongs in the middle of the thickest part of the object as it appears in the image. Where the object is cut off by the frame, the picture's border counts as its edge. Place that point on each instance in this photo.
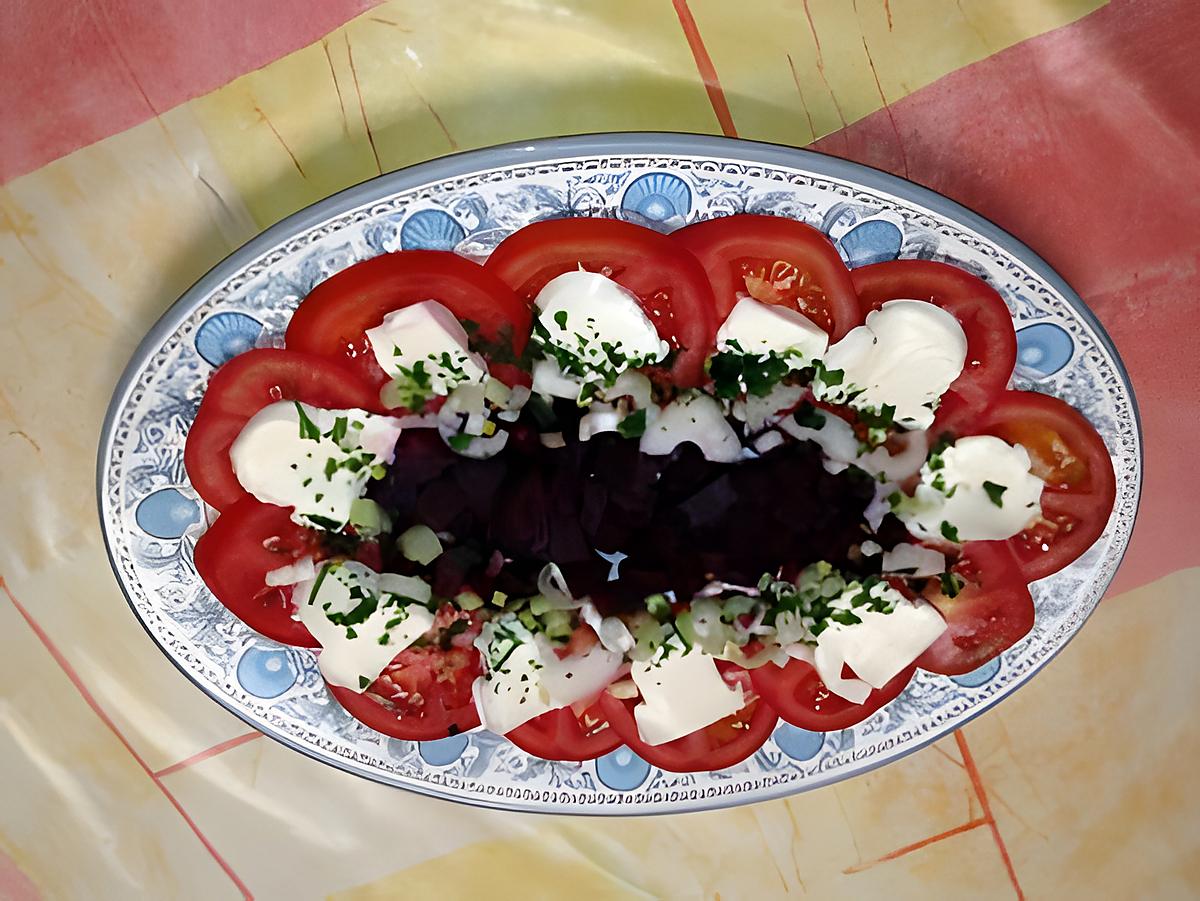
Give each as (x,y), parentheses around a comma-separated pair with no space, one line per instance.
(1073,124)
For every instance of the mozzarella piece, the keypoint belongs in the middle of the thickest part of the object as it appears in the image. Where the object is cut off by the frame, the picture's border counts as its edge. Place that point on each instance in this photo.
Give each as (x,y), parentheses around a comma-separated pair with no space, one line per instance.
(429,334)
(970,509)
(697,418)
(758,328)
(878,648)
(681,693)
(282,463)
(525,678)
(906,355)
(351,654)
(913,560)
(580,311)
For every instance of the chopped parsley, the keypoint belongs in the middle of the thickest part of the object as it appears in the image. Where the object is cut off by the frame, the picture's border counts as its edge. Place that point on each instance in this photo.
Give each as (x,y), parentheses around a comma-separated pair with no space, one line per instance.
(952,584)
(460,442)
(808,417)
(995,492)
(308,428)
(633,425)
(949,532)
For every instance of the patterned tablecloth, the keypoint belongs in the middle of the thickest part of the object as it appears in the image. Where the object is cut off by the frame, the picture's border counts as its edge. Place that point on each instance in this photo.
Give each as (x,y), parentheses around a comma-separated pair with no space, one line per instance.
(142,142)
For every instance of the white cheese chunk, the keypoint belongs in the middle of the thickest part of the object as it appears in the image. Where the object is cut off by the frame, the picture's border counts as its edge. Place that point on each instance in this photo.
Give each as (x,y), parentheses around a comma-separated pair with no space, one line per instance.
(906,355)
(525,678)
(427,335)
(316,461)
(383,615)
(878,648)
(681,693)
(759,329)
(697,418)
(983,490)
(582,312)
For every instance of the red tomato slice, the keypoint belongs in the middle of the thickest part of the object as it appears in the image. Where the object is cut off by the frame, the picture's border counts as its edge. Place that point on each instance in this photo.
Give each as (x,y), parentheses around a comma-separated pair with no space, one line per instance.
(991,613)
(801,698)
(563,735)
(241,388)
(424,694)
(246,542)
(668,282)
(726,742)
(1070,457)
(991,339)
(332,319)
(777,261)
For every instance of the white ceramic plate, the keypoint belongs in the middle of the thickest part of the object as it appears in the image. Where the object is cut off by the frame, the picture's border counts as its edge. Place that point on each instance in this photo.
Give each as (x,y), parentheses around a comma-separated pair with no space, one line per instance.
(469,202)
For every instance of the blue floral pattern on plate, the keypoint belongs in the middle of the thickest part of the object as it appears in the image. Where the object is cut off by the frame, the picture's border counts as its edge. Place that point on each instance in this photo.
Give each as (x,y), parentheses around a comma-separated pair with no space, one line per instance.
(151,516)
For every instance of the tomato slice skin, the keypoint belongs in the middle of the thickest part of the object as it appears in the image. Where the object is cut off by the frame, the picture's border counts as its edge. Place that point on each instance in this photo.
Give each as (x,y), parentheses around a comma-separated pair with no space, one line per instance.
(332,320)
(1070,456)
(669,282)
(992,612)
(246,542)
(799,696)
(241,388)
(562,735)
(437,683)
(715,747)
(982,313)
(721,243)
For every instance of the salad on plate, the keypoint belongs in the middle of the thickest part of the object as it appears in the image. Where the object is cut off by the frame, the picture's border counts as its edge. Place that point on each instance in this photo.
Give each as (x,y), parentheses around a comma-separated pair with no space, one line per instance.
(613,487)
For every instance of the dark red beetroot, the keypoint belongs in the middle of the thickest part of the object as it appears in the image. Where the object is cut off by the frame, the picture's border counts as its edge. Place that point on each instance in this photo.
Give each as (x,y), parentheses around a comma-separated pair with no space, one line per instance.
(680,520)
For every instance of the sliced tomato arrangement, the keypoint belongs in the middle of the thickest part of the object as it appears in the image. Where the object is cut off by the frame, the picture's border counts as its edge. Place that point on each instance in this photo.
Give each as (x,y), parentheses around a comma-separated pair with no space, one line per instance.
(687,284)
(333,319)
(801,698)
(233,557)
(242,387)
(669,283)
(726,742)
(564,734)
(422,695)
(1070,457)
(991,339)
(989,614)
(776,261)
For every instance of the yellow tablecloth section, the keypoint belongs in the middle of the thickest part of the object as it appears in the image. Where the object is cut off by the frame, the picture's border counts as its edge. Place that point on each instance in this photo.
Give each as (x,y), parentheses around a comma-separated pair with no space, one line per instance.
(119,779)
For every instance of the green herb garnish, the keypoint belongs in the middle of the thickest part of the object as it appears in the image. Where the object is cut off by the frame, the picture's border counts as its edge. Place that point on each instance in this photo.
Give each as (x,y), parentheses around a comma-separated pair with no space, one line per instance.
(995,492)
(633,425)
(308,428)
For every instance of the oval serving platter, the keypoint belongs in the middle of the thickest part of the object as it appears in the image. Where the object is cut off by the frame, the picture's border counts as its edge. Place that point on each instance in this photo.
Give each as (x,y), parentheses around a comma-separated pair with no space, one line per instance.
(467,203)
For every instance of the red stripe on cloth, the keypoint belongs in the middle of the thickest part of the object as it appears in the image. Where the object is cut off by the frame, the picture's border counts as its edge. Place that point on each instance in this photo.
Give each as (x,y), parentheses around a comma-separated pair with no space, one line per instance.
(704,64)
(207,753)
(981,794)
(74,72)
(84,692)
(1085,143)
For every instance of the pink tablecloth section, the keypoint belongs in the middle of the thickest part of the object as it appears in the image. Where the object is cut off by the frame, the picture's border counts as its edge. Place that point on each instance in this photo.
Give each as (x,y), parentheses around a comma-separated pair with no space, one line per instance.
(142,142)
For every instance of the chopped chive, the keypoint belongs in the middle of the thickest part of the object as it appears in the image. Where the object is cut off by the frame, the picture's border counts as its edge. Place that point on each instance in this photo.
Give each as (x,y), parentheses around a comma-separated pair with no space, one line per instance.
(308,428)
(995,492)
